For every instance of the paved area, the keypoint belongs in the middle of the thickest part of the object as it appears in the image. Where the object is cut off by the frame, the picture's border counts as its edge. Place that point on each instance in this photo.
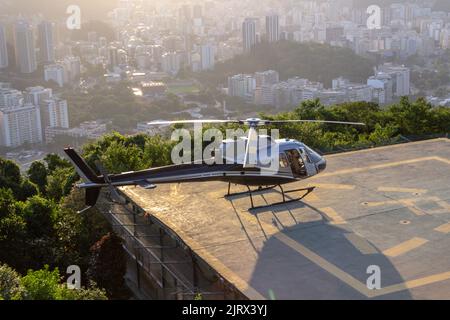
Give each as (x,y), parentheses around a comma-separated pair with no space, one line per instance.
(385,208)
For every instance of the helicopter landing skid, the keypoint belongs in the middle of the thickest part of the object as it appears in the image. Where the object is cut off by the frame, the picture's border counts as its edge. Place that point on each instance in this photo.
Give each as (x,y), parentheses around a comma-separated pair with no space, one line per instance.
(283,193)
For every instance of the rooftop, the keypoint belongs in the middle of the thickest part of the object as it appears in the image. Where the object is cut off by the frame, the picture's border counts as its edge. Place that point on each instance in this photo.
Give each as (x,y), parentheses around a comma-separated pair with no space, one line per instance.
(387,207)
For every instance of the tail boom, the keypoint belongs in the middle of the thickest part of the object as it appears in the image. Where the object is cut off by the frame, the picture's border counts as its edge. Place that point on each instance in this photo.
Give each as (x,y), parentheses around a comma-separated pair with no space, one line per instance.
(91,182)
(82,168)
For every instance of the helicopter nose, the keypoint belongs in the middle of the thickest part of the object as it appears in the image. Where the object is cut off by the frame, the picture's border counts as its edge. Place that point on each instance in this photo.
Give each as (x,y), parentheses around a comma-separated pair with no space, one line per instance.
(322,164)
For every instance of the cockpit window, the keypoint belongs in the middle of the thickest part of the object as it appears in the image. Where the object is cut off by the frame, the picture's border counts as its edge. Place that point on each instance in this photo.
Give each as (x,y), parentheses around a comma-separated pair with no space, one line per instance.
(296,161)
(314,156)
(283,161)
(305,155)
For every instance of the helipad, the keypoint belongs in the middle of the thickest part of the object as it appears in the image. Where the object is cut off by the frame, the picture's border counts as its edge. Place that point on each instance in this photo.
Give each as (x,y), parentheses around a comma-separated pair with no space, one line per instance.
(385,208)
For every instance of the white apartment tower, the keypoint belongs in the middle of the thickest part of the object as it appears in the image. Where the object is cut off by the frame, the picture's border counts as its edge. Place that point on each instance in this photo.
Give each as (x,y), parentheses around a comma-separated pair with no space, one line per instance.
(46,42)
(10,98)
(25,49)
(20,125)
(55,113)
(72,68)
(113,58)
(56,73)
(35,95)
(400,77)
(3,48)
(171,62)
(207,57)
(272,28)
(248,34)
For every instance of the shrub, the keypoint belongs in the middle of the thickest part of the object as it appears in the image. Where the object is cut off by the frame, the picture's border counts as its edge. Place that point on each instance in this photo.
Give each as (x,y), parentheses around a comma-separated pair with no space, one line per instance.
(10,285)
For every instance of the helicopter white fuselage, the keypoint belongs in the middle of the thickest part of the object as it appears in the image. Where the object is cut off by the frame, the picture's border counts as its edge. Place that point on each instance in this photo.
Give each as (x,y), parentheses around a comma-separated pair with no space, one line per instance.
(277,155)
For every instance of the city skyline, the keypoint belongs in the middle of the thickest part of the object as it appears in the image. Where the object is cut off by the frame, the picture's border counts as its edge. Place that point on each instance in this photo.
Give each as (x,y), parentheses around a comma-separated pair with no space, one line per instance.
(146,42)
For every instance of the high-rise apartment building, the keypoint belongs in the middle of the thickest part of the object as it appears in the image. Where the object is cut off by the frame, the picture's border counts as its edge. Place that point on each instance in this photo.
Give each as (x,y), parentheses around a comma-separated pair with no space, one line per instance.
(207,57)
(400,78)
(35,95)
(24,47)
(56,73)
(72,68)
(3,48)
(171,62)
(46,42)
(10,98)
(248,34)
(242,85)
(268,77)
(54,113)
(272,28)
(20,125)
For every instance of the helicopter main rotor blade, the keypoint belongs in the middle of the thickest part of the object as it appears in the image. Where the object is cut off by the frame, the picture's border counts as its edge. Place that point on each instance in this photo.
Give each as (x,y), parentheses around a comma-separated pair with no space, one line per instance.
(253,122)
(251,150)
(158,123)
(313,121)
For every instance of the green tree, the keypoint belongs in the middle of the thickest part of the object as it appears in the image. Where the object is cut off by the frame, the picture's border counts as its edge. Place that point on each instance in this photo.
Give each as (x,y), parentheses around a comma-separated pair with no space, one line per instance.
(41,284)
(11,287)
(91,293)
(28,189)
(37,173)
(412,118)
(10,176)
(382,135)
(78,232)
(157,152)
(108,266)
(13,241)
(60,183)
(54,162)
(6,202)
(13,231)
(40,215)
(10,171)
(120,157)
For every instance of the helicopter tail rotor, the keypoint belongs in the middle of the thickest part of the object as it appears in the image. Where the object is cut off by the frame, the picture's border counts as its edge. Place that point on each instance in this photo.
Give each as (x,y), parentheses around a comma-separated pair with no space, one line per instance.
(115,196)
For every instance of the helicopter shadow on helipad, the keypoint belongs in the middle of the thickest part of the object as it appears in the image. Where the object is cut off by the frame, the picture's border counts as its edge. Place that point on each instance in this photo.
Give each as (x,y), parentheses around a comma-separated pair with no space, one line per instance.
(284,269)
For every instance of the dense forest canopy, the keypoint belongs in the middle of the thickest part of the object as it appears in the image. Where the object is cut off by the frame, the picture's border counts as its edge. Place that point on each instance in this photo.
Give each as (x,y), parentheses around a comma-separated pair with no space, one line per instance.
(42,233)
(118,103)
(313,61)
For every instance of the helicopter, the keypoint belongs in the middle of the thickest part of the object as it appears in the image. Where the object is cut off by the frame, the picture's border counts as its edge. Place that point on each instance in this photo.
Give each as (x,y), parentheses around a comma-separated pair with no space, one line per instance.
(294,160)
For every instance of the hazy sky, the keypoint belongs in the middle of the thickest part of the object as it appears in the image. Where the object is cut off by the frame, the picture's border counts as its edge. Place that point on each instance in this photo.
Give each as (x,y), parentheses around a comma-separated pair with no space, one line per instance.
(97,9)
(55,9)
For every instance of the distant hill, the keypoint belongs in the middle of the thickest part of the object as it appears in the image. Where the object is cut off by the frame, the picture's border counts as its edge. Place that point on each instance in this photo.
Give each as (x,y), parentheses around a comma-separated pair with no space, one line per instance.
(316,62)
(56,9)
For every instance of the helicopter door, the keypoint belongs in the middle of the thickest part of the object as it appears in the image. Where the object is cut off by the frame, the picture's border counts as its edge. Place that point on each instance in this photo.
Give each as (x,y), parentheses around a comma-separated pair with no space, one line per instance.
(296,162)
(284,164)
(310,166)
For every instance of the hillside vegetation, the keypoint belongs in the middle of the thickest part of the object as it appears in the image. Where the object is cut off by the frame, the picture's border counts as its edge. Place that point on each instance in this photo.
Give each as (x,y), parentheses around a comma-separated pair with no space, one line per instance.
(313,61)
